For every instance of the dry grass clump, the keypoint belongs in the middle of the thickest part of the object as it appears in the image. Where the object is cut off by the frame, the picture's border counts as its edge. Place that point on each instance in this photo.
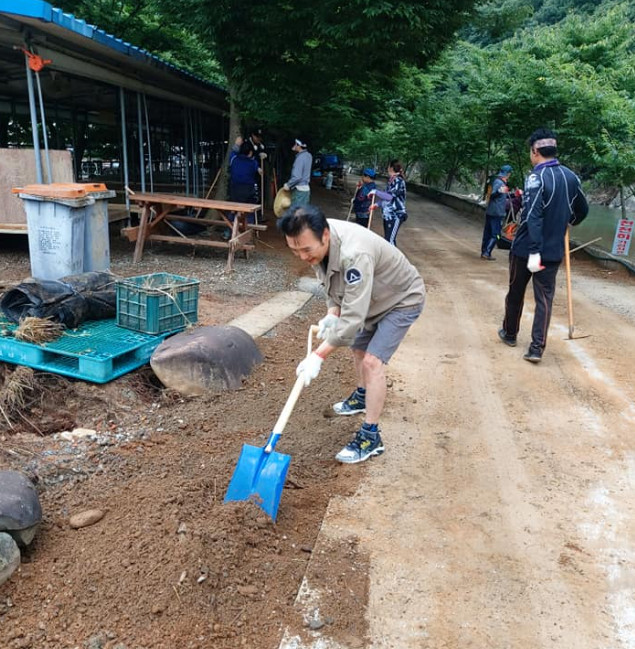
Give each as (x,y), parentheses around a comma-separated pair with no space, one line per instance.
(38,330)
(14,392)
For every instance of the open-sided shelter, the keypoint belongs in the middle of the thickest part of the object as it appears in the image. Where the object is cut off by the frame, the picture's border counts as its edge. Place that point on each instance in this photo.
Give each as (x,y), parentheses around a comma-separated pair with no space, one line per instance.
(79,104)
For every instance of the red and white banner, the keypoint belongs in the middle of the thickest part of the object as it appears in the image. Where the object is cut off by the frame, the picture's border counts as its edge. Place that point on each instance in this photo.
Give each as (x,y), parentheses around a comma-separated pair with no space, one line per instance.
(623,236)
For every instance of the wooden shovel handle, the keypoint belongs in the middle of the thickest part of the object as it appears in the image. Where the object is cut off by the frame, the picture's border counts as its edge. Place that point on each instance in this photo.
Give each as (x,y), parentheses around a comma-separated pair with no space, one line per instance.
(567,266)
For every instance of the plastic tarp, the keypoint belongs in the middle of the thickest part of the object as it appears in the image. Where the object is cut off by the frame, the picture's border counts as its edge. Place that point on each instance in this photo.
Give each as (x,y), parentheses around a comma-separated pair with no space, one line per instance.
(70,300)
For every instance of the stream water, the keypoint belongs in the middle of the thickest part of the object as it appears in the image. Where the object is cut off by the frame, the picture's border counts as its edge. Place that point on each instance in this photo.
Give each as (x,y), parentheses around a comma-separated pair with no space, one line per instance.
(601,222)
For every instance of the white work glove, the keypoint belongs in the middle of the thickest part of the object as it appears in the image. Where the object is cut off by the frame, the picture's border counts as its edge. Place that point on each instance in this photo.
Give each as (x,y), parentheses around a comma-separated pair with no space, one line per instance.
(309,367)
(372,192)
(286,187)
(534,263)
(328,321)
(262,155)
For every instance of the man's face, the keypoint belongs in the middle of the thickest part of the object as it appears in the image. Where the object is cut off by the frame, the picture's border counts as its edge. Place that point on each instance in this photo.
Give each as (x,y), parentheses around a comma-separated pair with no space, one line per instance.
(532,155)
(366,179)
(308,247)
(256,138)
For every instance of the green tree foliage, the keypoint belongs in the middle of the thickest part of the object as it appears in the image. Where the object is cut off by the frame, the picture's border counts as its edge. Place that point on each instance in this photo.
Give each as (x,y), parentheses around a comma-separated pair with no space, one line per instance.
(143,23)
(320,69)
(474,109)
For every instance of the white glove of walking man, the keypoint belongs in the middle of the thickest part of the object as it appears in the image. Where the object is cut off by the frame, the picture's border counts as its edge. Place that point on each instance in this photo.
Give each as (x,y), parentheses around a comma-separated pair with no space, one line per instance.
(327,322)
(534,263)
(309,367)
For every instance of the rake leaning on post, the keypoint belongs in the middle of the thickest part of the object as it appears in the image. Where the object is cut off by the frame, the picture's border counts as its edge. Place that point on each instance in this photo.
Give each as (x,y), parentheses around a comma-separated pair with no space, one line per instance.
(553,199)
(373,294)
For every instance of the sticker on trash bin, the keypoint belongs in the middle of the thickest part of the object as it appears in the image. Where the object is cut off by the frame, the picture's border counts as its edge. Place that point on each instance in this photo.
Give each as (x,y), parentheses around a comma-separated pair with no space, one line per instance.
(50,240)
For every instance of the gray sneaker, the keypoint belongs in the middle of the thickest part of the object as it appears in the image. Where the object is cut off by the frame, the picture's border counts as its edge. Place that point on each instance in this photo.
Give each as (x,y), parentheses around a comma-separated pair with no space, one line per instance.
(351,406)
(361,448)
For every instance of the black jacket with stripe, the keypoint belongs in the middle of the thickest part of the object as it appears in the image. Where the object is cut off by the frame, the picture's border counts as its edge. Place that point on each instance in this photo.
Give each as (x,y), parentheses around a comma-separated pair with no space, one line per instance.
(553,199)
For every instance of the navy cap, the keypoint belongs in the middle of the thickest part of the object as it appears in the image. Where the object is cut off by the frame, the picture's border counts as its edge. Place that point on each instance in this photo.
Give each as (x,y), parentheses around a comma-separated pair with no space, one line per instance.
(369,172)
(506,170)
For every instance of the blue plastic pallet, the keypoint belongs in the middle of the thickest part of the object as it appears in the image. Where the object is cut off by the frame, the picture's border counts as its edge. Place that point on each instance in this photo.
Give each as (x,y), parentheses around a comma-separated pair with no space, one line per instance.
(97,351)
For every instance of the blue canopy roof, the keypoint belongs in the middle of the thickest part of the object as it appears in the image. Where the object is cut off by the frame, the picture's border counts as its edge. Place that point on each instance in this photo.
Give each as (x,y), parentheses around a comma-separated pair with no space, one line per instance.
(46,13)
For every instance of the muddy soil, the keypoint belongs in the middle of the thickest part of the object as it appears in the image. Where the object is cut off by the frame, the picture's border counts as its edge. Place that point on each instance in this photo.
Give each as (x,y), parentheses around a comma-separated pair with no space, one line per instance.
(170,565)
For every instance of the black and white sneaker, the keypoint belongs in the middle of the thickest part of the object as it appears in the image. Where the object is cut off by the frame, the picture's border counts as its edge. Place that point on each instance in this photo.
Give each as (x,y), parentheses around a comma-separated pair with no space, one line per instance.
(351,406)
(364,446)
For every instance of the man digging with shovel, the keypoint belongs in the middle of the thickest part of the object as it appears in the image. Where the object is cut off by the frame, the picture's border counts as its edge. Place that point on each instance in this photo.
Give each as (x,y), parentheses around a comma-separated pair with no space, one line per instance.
(373,294)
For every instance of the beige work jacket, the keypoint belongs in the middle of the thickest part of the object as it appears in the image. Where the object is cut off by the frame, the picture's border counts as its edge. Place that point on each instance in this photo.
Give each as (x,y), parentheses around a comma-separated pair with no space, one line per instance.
(366,277)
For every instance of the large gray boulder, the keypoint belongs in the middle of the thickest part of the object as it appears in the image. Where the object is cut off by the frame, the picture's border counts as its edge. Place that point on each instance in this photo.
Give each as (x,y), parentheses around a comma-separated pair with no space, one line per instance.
(205,358)
(9,557)
(20,510)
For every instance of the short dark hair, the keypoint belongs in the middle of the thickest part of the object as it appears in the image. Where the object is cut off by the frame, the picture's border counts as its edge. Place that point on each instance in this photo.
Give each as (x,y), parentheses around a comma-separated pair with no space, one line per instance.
(245,148)
(396,166)
(301,217)
(544,134)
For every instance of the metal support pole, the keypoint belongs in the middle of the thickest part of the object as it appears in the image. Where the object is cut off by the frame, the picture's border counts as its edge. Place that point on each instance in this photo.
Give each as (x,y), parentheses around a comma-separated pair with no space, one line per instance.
(193,153)
(142,166)
(145,106)
(124,148)
(47,157)
(186,151)
(34,127)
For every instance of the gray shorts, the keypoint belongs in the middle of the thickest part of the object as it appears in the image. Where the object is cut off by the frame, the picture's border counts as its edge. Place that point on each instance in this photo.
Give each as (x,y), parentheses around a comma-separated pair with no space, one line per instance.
(387,334)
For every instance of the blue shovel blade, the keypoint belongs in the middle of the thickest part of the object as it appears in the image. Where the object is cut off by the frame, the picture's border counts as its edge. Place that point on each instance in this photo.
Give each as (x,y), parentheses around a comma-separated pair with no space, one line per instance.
(260,477)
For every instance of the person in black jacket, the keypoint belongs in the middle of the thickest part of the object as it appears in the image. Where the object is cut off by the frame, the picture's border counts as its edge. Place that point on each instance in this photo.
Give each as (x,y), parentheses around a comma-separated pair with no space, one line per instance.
(495,212)
(553,199)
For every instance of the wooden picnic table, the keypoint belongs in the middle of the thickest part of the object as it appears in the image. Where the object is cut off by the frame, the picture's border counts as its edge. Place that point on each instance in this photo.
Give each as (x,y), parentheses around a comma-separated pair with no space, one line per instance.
(159,208)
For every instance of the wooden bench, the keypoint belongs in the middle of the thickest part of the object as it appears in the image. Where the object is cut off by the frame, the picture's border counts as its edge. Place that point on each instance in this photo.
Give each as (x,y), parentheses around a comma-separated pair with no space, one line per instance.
(159,208)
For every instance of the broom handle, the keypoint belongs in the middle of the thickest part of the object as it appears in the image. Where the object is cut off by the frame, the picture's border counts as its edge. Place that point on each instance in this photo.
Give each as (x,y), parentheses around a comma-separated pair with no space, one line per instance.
(372,209)
(291,400)
(567,266)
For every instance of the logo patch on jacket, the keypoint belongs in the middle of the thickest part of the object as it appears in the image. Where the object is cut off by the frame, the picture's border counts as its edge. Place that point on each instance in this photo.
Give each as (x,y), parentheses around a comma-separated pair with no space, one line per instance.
(353,276)
(533,181)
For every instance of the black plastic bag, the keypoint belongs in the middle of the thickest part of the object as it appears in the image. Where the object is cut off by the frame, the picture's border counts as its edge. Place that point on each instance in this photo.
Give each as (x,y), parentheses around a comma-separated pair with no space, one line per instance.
(70,300)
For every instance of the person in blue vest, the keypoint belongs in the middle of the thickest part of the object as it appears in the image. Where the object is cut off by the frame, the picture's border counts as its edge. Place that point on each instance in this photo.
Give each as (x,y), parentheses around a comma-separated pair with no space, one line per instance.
(362,201)
(552,201)
(495,212)
(243,178)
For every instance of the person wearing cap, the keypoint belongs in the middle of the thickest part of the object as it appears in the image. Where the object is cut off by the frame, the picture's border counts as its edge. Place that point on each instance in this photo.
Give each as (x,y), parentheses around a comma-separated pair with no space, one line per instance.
(362,201)
(373,296)
(299,183)
(552,201)
(495,212)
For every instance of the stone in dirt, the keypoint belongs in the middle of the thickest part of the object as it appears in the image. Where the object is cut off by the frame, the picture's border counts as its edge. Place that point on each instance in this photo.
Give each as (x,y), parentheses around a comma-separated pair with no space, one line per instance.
(20,510)
(205,358)
(77,433)
(9,557)
(86,518)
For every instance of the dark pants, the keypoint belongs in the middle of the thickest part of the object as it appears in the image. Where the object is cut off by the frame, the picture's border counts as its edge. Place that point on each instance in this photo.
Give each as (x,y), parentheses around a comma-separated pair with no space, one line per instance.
(544,289)
(239,193)
(391,228)
(491,233)
(362,219)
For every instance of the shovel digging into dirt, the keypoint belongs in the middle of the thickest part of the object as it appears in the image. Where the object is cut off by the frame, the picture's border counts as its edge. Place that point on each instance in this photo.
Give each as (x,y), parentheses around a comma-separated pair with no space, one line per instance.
(261,472)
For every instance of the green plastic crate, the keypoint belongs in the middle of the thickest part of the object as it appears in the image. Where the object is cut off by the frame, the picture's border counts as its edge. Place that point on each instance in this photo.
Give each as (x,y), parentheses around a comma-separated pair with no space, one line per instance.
(157,303)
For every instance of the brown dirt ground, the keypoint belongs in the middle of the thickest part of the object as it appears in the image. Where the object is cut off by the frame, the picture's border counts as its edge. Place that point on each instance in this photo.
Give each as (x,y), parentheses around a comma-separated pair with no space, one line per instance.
(170,565)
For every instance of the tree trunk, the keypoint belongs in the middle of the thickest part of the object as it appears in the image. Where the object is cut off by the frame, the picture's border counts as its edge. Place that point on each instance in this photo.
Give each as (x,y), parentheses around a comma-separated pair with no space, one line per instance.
(234,132)
(622,201)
